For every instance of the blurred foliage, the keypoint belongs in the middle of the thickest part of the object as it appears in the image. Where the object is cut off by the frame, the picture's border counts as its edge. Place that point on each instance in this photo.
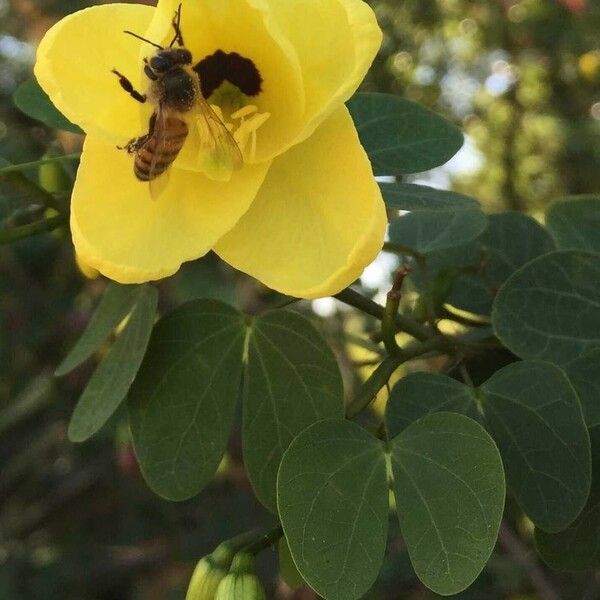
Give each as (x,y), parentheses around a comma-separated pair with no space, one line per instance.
(521,76)
(76,521)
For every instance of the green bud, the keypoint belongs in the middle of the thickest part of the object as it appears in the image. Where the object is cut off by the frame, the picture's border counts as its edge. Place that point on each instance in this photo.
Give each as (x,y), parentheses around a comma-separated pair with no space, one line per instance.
(242,582)
(209,573)
(52,176)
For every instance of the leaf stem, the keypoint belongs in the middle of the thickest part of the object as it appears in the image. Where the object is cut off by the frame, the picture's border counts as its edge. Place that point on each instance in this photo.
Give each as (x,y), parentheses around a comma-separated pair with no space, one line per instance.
(403,323)
(37,163)
(24,231)
(265,540)
(427,291)
(386,369)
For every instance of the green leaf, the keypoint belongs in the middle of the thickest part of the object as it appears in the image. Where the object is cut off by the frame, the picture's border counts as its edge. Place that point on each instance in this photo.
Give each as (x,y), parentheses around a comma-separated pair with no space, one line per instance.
(510,241)
(111,380)
(438,219)
(287,569)
(584,374)
(401,136)
(419,394)
(577,547)
(34,102)
(182,402)
(449,488)
(534,416)
(332,496)
(550,308)
(292,380)
(116,304)
(575,222)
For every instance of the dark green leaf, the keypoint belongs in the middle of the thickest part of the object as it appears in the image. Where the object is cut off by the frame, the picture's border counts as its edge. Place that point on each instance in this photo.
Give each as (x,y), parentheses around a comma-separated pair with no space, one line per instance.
(510,241)
(438,219)
(115,305)
(292,381)
(332,496)
(34,102)
(401,136)
(420,394)
(287,569)
(577,547)
(575,222)
(111,380)
(550,308)
(584,373)
(535,417)
(182,402)
(449,488)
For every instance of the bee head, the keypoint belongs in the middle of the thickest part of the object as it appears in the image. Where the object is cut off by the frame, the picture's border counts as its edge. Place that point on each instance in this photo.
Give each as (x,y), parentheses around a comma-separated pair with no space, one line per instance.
(164,60)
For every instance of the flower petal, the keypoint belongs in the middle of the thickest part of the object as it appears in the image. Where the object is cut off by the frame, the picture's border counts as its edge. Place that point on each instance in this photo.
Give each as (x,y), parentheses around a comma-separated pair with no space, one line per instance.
(74,63)
(318,219)
(336,42)
(248,28)
(120,231)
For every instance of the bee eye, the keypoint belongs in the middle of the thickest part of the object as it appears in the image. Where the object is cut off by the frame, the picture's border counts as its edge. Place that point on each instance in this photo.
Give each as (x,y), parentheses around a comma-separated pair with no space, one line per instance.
(159,63)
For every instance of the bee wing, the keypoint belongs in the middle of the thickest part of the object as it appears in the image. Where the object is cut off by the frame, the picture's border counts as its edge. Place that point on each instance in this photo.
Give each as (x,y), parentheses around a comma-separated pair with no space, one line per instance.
(219,154)
(158,182)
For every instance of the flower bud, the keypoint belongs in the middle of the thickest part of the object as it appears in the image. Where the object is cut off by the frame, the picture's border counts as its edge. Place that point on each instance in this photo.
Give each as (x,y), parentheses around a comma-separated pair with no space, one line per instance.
(242,582)
(209,573)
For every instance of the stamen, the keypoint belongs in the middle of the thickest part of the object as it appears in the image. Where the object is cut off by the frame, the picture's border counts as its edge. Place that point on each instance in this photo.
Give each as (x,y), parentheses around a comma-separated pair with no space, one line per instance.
(247,131)
(245,112)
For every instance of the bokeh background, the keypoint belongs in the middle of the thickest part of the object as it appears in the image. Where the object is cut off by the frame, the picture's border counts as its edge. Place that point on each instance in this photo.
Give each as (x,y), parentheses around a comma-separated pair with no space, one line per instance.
(521,77)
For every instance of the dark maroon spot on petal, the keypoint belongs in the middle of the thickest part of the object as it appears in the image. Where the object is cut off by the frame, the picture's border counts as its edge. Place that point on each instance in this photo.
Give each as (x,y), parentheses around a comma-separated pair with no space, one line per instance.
(234,68)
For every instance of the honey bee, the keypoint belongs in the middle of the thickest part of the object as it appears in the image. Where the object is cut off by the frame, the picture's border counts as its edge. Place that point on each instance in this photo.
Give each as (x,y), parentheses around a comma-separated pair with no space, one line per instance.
(175,93)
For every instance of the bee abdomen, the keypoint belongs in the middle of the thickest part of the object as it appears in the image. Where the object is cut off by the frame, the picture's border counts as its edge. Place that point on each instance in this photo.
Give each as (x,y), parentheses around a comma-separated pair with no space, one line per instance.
(160,150)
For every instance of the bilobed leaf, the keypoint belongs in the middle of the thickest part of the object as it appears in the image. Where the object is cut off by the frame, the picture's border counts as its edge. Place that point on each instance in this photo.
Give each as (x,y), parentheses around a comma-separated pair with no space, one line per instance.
(419,394)
(401,136)
(578,546)
(292,380)
(182,402)
(534,416)
(550,308)
(110,382)
(449,488)
(34,102)
(438,219)
(332,497)
(116,304)
(511,240)
(575,222)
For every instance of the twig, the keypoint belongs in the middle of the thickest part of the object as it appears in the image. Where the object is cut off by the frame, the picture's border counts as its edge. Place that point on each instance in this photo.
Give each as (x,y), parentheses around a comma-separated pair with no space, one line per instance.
(522,556)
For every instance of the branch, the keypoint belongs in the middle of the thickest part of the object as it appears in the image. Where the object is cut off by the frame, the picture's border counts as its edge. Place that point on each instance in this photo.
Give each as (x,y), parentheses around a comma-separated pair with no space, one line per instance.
(522,556)
(403,323)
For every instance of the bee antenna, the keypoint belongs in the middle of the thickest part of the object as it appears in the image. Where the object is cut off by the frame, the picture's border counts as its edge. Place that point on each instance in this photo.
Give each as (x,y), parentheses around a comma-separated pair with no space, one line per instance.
(139,37)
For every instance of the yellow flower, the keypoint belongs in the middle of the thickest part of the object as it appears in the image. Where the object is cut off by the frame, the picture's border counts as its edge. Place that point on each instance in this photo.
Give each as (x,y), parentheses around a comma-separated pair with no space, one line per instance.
(302,214)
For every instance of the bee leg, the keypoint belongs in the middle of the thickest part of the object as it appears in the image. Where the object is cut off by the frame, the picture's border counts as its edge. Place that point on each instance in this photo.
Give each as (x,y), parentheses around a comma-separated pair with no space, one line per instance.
(128,87)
